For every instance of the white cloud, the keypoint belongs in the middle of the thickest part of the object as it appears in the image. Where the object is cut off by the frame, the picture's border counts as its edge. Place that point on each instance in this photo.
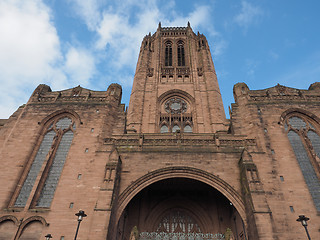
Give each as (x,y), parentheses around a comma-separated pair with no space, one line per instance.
(122,37)
(29,47)
(31,54)
(248,15)
(29,42)
(89,11)
(79,65)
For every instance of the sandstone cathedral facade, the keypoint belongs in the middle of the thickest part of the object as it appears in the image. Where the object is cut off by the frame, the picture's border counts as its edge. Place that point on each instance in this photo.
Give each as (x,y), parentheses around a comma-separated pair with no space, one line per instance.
(171,166)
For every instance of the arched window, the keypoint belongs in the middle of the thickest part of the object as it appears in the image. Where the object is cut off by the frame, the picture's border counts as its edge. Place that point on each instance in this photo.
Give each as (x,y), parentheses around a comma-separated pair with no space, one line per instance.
(175,128)
(168,54)
(180,51)
(187,129)
(305,141)
(175,114)
(164,129)
(53,150)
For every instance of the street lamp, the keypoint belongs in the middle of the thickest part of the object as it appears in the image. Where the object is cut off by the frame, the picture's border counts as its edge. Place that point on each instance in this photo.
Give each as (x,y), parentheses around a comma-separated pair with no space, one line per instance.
(304,223)
(48,236)
(80,216)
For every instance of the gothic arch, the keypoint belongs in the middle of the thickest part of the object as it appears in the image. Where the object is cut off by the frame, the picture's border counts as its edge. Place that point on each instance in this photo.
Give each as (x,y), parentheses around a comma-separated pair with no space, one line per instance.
(292,111)
(303,131)
(9,218)
(180,41)
(30,220)
(34,218)
(176,108)
(49,138)
(178,93)
(180,172)
(62,112)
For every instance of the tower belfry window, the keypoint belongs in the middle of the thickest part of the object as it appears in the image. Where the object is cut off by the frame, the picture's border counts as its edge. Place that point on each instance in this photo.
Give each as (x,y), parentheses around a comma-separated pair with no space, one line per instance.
(168,54)
(180,51)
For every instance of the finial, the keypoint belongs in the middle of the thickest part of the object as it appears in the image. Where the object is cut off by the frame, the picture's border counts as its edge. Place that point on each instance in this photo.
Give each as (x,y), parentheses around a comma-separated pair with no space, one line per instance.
(159,25)
(149,34)
(189,24)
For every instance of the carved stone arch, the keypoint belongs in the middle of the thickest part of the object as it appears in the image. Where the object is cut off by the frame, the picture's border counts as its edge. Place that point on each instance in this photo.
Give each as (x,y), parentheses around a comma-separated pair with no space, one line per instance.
(185,112)
(188,123)
(180,40)
(166,41)
(30,220)
(176,92)
(293,111)
(180,172)
(9,218)
(62,112)
(34,218)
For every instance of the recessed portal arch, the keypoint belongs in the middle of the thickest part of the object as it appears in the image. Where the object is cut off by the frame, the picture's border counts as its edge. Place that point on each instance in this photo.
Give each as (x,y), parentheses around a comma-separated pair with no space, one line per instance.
(185,183)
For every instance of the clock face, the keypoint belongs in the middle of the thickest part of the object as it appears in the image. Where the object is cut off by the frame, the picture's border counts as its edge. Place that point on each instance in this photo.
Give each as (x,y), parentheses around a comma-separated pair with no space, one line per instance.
(175,106)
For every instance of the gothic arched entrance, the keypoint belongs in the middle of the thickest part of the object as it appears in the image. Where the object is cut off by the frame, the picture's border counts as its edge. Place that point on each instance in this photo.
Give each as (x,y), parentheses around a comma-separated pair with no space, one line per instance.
(180,208)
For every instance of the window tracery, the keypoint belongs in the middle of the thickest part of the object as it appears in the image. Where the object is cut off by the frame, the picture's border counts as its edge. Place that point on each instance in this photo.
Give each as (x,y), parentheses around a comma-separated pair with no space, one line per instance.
(52,153)
(176,116)
(305,141)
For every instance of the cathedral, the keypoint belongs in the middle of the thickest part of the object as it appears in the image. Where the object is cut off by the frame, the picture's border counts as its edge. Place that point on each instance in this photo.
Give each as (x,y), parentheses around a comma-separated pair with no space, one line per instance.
(171,165)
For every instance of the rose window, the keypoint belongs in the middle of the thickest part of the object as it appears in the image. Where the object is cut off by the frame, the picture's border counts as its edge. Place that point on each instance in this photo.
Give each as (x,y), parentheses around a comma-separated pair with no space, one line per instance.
(175,106)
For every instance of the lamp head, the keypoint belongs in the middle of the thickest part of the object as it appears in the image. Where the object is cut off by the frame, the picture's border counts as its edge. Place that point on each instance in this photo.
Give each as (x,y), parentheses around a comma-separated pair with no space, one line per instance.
(48,236)
(80,215)
(303,219)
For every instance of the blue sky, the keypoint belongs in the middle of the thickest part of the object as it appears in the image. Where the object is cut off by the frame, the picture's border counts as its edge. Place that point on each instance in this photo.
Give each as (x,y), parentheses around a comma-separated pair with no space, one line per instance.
(64,43)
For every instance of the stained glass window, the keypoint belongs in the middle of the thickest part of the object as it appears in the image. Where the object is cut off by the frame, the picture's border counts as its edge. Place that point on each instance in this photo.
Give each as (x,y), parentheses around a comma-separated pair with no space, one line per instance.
(188,129)
(164,129)
(176,114)
(53,151)
(175,128)
(305,142)
(34,170)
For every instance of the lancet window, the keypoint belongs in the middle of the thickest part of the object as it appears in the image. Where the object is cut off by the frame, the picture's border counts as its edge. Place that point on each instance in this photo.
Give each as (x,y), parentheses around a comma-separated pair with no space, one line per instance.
(175,116)
(47,164)
(180,51)
(168,54)
(303,134)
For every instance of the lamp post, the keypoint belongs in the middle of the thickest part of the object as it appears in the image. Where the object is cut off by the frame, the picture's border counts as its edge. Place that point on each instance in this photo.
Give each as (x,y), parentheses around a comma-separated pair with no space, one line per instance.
(80,215)
(48,236)
(304,223)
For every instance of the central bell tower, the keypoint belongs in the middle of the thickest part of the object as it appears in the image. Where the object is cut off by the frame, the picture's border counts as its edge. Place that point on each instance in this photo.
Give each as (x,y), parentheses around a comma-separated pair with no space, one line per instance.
(175,87)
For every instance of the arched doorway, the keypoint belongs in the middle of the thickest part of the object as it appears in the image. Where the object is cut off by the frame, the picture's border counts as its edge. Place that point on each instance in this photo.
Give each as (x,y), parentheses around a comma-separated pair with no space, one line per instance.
(180,208)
